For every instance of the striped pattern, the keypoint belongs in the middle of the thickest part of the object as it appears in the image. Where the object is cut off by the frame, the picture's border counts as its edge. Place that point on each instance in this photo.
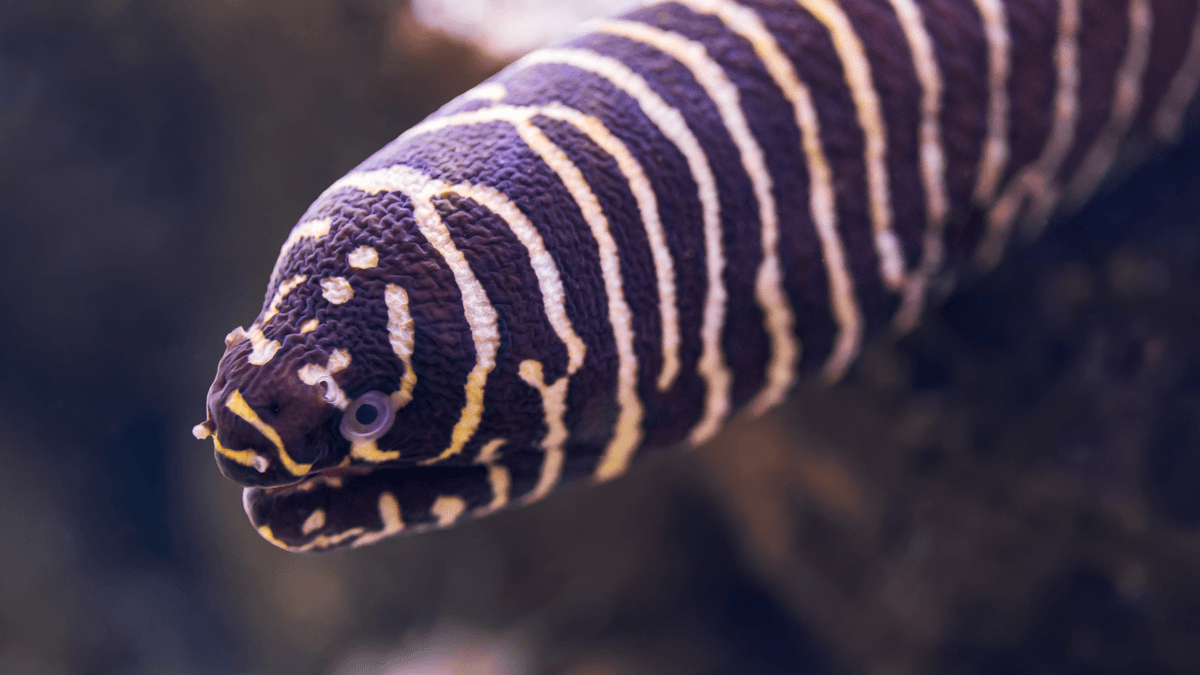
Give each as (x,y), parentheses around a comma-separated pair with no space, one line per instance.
(614,244)
(671,124)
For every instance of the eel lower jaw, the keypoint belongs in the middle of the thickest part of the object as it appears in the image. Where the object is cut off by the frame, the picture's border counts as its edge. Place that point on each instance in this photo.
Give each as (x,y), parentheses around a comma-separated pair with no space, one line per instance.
(332,476)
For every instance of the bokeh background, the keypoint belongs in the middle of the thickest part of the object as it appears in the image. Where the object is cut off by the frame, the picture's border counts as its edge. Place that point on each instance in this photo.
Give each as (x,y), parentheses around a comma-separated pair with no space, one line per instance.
(1015,488)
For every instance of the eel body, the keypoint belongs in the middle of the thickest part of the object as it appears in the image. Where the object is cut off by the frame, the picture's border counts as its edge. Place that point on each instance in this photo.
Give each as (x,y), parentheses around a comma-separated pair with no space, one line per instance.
(615,244)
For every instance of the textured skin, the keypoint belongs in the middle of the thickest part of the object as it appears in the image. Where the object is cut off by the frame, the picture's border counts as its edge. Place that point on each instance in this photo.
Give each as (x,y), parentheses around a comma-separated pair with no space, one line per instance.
(611,246)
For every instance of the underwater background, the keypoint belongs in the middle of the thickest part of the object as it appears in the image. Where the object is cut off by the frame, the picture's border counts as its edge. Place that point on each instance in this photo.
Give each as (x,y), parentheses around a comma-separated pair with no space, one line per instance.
(1014,488)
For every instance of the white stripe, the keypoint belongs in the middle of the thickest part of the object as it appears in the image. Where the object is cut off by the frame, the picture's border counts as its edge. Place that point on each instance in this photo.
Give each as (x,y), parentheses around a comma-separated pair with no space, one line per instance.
(489,453)
(282,292)
(856,69)
(1046,191)
(501,484)
(544,268)
(336,290)
(822,195)
(554,397)
(627,432)
(498,477)
(447,509)
(477,308)
(639,185)
(933,161)
(263,350)
(309,229)
(488,91)
(785,352)
(995,144)
(554,407)
(711,367)
(389,515)
(1127,97)
(363,258)
(1169,116)
(1037,183)
(402,336)
(313,373)
(314,522)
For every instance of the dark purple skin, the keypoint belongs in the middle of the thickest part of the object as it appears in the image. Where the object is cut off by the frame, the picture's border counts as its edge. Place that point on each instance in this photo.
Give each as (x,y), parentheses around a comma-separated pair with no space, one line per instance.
(350,492)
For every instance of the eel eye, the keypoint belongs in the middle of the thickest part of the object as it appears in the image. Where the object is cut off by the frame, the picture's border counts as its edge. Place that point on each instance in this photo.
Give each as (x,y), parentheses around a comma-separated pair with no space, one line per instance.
(368,417)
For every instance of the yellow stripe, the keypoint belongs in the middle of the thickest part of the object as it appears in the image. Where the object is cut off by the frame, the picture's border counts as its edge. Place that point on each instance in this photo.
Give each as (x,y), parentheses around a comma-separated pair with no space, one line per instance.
(479,312)
(368,451)
(238,406)
(389,516)
(243,457)
(266,533)
(319,543)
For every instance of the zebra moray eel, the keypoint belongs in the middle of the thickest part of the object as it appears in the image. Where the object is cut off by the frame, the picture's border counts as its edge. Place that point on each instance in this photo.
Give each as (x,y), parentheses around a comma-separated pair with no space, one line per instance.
(613,245)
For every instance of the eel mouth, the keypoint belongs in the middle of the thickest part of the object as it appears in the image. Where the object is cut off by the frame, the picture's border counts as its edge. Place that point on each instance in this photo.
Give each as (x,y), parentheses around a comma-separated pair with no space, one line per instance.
(333,476)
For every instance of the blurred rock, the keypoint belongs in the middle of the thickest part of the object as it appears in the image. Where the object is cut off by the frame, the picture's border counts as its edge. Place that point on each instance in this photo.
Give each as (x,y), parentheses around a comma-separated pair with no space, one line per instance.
(1015,487)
